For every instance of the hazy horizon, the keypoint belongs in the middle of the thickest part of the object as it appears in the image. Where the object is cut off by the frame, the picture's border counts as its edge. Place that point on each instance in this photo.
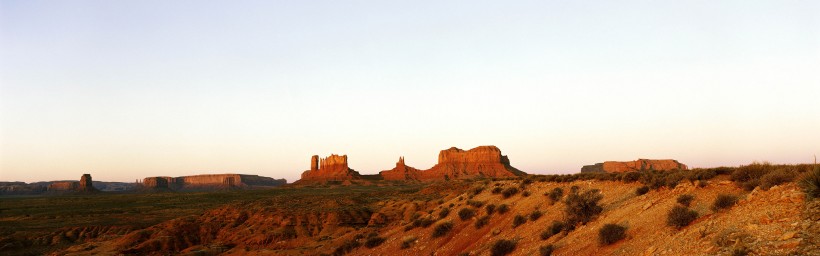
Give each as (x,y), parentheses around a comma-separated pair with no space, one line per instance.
(130,89)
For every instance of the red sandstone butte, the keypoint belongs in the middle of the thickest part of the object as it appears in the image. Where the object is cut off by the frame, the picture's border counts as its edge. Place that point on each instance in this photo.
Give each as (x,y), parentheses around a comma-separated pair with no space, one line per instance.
(454,163)
(331,168)
(637,165)
(207,181)
(86,184)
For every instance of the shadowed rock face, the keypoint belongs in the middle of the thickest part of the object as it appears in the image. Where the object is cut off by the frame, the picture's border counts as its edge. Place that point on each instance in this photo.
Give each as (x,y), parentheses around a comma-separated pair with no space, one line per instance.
(331,168)
(454,163)
(85,184)
(63,186)
(206,181)
(637,165)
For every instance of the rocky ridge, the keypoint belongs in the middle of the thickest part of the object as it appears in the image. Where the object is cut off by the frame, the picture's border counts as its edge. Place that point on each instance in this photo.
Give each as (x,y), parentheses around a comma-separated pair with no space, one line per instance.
(637,165)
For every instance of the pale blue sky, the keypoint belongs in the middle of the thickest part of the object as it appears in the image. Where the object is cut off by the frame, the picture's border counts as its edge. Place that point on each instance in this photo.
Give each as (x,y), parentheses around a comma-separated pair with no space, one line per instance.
(129,89)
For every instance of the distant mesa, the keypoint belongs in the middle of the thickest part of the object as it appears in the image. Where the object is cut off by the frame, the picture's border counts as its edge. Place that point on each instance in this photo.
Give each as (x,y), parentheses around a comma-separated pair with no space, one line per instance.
(637,165)
(453,163)
(84,185)
(210,181)
(331,168)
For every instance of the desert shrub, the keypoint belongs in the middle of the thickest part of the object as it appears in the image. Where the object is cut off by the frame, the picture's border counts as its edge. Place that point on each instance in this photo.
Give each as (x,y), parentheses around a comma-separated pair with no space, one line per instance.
(502,247)
(750,184)
(466,213)
(574,189)
(702,174)
(776,177)
(702,183)
(581,208)
(641,190)
(442,229)
(534,215)
(740,250)
(407,242)
(685,199)
(748,176)
(373,241)
(347,247)
(423,222)
(724,201)
(508,192)
(546,250)
(611,233)
(481,222)
(545,234)
(680,217)
(476,204)
(630,176)
(490,208)
(528,181)
(810,183)
(556,194)
(556,227)
(496,190)
(503,208)
(443,213)
(525,193)
(518,220)
(478,190)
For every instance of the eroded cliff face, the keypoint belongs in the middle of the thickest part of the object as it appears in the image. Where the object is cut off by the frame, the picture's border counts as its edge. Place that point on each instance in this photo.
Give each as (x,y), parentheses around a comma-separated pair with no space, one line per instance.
(63,186)
(207,181)
(85,184)
(331,168)
(637,165)
(454,163)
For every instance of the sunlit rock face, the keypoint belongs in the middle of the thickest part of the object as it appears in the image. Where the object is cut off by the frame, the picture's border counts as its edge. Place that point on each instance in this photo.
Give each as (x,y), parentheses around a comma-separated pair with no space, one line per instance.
(637,165)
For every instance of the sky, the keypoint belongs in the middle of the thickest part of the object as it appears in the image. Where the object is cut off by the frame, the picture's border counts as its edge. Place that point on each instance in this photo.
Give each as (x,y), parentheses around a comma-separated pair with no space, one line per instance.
(131,89)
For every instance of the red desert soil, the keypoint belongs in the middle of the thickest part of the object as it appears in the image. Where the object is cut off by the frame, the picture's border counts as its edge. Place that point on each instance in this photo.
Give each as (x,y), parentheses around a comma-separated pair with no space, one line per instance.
(777,221)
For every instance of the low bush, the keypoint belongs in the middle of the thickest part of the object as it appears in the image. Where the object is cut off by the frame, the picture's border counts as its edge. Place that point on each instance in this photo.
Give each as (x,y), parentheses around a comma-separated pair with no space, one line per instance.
(685,199)
(478,190)
(776,177)
(611,233)
(641,190)
(483,221)
(810,183)
(466,213)
(496,190)
(724,201)
(503,208)
(630,177)
(534,215)
(581,208)
(680,217)
(443,213)
(423,222)
(518,220)
(556,194)
(525,193)
(502,247)
(373,241)
(476,204)
(408,241)
(442,229)
(508,192)
(556,227)
(546,250)
(347,247)
(490,208)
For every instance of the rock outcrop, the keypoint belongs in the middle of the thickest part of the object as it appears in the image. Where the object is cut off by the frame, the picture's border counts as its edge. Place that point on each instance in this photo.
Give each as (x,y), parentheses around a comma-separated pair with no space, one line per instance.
(63,186)
(210,181)
(637,165)
(86,184)
(331,168)
(454,163)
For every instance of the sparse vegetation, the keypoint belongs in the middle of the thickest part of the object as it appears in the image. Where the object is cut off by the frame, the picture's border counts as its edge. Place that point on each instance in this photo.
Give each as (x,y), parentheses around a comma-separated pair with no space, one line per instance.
(496,190)
(481,222)
(347,247)
(518,220)
(641,190)
(508,192)
(373,241)
(546,250)
(476,204)
(478,190)
(525,193)
(443,213)
(502,247)
(611,233)
(685,199)
(810,183)
(680,217)
(503,208)
(490,208)
(466,213)
(724,201)
(776,177)
(408,241)
(581,208)
(556,227)
(556,194)
(535,214)
(442,229)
